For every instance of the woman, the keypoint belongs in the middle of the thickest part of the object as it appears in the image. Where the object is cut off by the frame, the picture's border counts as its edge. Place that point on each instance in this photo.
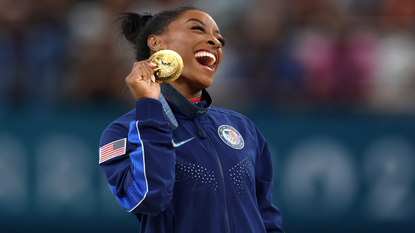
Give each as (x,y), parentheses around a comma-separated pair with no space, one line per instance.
(176,162)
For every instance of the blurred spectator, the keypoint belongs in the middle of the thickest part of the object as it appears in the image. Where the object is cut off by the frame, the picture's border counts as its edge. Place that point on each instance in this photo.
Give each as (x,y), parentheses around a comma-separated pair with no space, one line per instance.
(314,49)
(362,44)
(33,44)
(392,85)
(226,12)
(100,61)
(101,58)
(157,5)
(302,54)
(260,31)
(398,13)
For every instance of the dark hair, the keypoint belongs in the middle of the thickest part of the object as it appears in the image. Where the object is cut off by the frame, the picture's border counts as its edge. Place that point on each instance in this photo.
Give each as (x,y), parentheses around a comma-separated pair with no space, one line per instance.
(138,27)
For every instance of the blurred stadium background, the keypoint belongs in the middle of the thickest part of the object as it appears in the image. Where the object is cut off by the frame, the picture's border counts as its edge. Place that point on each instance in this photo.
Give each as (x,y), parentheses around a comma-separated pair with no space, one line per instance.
(330,83)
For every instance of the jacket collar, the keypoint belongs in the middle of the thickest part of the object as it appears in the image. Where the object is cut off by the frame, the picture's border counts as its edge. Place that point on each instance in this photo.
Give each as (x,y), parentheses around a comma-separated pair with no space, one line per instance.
(183,103)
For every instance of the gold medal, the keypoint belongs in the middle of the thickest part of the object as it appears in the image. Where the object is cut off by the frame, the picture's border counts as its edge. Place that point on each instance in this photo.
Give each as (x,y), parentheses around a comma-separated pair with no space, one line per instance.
(169,65)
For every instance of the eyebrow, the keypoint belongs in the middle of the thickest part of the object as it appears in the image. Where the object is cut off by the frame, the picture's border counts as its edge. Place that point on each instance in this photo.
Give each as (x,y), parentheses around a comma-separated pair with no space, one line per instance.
(201,22)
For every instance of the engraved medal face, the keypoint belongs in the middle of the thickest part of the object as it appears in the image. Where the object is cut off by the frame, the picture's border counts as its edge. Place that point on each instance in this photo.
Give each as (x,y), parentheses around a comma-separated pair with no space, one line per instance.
(169,65)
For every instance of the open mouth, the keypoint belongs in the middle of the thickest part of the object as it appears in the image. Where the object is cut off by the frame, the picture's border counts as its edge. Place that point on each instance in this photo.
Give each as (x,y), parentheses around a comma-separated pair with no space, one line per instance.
(206,59)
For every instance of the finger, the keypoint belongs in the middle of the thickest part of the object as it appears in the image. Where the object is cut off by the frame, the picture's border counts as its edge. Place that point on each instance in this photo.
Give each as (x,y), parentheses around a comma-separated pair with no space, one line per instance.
(135,65)
(151,72)
(142,71)
(146,75)
(150,64)
(155,84)
(136,70)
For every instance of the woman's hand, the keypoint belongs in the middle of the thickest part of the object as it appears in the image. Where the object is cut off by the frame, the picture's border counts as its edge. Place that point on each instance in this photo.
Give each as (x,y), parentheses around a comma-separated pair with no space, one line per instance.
(141,81)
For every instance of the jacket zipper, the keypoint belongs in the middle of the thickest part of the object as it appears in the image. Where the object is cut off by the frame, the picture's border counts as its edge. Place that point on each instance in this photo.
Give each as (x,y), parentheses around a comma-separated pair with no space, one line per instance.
(222,175)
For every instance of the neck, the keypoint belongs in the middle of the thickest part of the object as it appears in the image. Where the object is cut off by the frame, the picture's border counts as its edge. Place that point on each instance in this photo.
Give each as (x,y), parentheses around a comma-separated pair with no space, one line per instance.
(186,91)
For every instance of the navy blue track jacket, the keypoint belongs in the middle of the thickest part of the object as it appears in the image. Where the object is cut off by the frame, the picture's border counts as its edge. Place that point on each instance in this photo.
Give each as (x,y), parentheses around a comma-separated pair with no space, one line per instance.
(213,173)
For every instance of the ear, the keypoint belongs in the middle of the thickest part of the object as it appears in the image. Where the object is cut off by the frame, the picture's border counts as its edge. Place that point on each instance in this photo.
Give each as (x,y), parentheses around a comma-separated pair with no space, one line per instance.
(155,43)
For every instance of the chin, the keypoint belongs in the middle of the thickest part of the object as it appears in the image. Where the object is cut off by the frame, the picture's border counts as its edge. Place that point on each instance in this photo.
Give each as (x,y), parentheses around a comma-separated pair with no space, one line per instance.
(198,82)
(205,83)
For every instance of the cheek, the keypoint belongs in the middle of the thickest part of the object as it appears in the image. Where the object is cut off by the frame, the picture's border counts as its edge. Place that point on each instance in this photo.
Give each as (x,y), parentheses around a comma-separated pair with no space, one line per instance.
(184,50)
(180,44)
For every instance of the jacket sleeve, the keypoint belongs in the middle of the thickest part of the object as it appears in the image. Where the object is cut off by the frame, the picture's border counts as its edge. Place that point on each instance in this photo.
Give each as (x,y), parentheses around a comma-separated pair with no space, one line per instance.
(271,215)
(142,177)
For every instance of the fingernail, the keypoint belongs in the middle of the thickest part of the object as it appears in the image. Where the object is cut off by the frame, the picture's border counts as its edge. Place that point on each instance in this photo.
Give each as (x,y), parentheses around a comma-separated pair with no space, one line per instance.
(153,78)
(153,64)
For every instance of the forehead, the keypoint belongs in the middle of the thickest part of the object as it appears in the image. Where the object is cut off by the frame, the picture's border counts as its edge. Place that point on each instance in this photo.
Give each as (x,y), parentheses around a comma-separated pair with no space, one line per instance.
(195,14)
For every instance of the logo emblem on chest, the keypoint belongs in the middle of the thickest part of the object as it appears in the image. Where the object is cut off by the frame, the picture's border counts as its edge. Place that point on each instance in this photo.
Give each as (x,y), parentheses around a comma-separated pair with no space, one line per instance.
(182,142)
(231,137)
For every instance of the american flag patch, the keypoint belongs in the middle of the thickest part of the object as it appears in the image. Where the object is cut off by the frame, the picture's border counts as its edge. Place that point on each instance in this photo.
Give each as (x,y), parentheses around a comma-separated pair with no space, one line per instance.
(112,150)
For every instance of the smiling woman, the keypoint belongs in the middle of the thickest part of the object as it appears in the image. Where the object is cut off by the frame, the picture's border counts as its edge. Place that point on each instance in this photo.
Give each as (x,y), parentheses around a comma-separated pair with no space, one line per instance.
(176,162)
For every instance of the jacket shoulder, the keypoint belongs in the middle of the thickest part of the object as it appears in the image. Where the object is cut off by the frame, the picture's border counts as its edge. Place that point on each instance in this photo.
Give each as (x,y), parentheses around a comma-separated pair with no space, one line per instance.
(233,114)
(117,128)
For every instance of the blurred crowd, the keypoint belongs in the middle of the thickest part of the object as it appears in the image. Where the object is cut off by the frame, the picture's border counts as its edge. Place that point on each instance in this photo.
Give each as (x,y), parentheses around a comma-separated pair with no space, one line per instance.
(357,55)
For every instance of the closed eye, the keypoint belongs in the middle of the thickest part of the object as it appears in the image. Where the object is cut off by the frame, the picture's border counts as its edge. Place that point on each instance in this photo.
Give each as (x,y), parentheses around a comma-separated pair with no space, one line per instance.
(202,29)
(198,27)
(222,41)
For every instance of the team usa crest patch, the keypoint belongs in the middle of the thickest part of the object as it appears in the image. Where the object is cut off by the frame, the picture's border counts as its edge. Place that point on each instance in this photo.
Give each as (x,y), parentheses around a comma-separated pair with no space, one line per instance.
(231,137)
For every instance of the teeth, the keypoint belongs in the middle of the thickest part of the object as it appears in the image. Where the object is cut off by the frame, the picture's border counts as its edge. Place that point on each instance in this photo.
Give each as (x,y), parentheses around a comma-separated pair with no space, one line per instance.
(206,54)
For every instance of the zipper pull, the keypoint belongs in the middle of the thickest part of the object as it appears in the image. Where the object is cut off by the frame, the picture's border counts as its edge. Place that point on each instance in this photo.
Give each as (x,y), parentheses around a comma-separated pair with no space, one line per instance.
(201,133)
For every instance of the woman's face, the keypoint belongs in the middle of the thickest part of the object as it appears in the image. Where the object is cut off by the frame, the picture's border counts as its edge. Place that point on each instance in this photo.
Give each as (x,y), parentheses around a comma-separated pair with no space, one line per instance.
(196,37)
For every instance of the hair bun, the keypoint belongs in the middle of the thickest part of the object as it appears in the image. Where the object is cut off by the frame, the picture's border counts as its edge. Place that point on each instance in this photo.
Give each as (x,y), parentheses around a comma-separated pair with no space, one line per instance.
(146,18)
(132,24)
(136,28)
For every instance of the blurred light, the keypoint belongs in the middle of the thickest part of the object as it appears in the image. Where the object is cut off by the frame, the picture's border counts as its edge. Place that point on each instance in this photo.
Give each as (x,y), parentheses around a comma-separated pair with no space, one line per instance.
(14,171)
(64,177)
(319,179)
(389,173)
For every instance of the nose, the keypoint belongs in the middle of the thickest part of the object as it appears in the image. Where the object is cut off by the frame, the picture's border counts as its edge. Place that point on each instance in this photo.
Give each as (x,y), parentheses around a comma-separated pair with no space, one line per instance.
(212,40)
